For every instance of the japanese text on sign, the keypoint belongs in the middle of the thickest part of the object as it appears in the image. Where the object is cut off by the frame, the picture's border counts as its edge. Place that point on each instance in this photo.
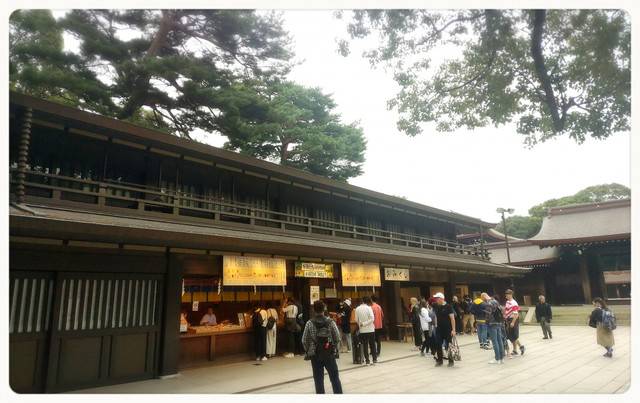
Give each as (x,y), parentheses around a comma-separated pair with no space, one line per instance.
(393,274)
(360,274)
(315,270)
(245,270)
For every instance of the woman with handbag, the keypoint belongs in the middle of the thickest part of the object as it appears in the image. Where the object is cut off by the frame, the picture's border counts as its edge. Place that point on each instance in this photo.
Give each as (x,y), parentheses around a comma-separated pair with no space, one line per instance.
(272,320)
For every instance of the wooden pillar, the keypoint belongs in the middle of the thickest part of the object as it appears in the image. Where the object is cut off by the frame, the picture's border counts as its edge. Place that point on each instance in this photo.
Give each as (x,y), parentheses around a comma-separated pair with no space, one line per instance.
(585,280)
(392,308)
(450,289)
(170,328)
(23,153)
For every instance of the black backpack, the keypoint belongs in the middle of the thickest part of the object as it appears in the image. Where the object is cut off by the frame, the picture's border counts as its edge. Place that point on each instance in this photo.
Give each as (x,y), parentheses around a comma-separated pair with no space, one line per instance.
(271,321)
(497,314)
(257,319)
(324,344)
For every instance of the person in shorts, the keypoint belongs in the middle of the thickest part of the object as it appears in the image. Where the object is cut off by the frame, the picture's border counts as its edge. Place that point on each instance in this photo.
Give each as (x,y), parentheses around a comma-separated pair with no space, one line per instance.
(512,320)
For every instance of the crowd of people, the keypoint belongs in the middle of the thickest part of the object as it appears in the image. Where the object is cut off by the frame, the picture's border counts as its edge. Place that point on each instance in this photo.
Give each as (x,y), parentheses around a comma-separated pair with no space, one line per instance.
(357,327)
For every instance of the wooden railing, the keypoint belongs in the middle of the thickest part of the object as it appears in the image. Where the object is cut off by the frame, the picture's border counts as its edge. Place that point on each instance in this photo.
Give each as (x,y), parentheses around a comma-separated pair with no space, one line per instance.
(145,198)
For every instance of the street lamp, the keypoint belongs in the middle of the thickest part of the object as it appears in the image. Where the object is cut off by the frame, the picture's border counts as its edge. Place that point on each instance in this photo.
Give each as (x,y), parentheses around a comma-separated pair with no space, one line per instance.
(501,211)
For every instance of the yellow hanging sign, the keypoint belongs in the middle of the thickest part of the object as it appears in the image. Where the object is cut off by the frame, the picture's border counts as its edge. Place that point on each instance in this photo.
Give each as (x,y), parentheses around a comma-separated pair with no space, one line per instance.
(253,271)
(360,274)
(314,270)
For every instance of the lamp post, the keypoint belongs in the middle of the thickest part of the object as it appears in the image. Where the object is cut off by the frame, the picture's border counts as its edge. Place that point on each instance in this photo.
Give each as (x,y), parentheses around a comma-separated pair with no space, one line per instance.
(501,211)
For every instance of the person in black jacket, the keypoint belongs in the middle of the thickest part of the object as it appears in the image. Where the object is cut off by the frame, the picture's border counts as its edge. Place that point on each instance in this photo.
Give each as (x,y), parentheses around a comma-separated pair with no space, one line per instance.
(543,316)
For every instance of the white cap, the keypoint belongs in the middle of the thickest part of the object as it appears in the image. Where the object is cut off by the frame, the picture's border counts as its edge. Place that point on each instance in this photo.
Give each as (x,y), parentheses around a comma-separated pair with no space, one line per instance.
(347,301)
(439,295)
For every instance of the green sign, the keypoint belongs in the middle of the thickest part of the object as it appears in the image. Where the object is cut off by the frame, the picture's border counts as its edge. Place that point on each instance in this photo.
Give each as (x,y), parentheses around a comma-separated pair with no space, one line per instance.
(315,270)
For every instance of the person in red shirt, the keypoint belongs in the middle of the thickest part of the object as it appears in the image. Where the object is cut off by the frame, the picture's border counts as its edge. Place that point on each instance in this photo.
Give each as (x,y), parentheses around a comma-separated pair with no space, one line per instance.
(378,317)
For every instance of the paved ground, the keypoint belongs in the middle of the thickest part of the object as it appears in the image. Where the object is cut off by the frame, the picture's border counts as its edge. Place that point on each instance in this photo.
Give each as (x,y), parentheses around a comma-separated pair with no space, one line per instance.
(570,363)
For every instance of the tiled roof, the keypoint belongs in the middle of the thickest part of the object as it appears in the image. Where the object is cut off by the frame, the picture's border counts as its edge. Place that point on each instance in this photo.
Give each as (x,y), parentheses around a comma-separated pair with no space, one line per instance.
(586,223)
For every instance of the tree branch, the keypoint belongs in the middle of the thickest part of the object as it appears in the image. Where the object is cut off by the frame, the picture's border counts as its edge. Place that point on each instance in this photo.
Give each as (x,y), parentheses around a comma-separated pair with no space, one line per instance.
(539,18)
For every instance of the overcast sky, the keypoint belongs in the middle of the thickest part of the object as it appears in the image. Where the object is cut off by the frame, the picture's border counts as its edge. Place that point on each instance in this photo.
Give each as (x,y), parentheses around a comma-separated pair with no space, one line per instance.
(469,172)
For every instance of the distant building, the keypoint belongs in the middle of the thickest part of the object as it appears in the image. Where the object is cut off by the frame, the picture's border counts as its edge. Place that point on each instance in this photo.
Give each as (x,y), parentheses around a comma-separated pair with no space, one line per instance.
(581,252)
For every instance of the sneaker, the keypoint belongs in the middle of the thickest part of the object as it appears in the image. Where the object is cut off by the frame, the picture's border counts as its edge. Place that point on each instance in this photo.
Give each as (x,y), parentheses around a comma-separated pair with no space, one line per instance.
(550,336)
(521,350)
(544,338)
(450,364)
(374,362)
(510,357)
(494,361)
(258,359)
(514,352)
(264,358)
(438,364)
(501,361)
(422,353)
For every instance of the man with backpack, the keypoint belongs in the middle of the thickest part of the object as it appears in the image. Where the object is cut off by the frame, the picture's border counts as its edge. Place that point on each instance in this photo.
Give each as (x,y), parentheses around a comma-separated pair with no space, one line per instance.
(494,319)
(321,342)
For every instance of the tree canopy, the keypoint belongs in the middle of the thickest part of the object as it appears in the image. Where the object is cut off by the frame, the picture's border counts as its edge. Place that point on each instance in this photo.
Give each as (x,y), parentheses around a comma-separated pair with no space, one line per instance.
(220,71)
(553,72)
(298,127)
(177,65)
(528,226)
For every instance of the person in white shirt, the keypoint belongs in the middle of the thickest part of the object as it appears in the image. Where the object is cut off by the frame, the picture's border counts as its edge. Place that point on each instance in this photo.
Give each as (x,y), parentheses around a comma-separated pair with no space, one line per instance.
(209,318)
(425,325)
(271,333)
(364,319)
(290,311)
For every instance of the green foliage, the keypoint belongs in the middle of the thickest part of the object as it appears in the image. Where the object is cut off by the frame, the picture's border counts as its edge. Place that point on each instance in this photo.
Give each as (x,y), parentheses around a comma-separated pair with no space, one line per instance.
(521,226)
(168,68)
(295,126)
(554,72)
(180,70)
(528,226)
(592,194)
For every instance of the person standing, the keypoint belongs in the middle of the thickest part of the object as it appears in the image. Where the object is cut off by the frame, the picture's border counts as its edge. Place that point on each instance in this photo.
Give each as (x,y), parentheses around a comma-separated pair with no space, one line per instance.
(272,320)
(260,332)
(364,319)
(493,316)
(604,334)
(378,321)
(457,309)
(478,309)
(543,317)
(467,315)
(290,311)
(446,329)
(345,325)
(512,318)
(321,343)
(425,324)
(414,313)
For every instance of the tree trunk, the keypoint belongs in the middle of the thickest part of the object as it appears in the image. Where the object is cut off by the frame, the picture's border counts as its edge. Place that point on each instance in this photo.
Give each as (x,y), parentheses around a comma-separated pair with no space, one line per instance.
(283,153)
(539,18)
(141,87)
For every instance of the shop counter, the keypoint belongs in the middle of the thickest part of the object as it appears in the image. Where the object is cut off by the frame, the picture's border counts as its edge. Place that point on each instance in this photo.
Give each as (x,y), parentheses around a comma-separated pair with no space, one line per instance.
(203,343)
